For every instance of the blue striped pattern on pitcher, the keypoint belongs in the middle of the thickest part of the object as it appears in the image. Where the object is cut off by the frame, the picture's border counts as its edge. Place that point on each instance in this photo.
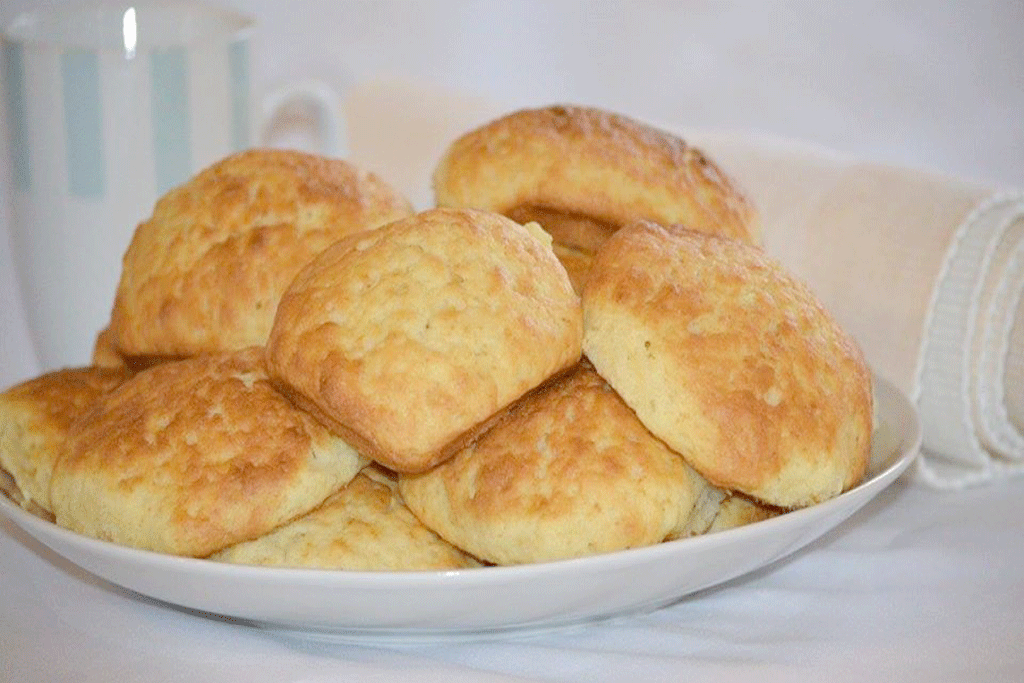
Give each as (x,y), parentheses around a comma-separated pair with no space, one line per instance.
(80,76)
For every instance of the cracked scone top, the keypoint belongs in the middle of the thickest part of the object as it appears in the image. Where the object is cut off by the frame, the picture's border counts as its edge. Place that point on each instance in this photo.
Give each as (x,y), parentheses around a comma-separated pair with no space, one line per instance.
(730,360)
(205,272)
(191,456)
(409,338)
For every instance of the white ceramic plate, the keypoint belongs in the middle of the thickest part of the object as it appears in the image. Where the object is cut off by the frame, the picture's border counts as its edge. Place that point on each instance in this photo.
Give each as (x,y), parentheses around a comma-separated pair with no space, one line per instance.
(487,601)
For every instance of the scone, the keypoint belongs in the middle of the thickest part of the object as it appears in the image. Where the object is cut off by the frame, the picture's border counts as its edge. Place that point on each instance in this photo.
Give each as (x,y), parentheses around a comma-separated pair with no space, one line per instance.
(582,173)
(192,456)
(35,417)
(736,511)
(104,353)
(406,340)
(363,527)
(205,272)
(731,361)
(569,472)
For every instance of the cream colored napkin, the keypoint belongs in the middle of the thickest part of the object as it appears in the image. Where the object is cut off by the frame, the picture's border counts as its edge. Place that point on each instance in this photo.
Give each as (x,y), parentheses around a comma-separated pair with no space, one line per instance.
(400,130)
(927,272)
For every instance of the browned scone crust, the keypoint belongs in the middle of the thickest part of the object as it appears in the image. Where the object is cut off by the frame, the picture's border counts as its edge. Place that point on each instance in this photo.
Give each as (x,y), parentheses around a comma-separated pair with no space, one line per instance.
(191,456)
(363,527)
(205,272)
(104,353)
(35,417)
(731,361)
(569,472)
(409,338)
(582,172)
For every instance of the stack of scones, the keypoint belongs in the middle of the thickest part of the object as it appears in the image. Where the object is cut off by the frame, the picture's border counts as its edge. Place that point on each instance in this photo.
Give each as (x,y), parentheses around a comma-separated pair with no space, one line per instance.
(582,348)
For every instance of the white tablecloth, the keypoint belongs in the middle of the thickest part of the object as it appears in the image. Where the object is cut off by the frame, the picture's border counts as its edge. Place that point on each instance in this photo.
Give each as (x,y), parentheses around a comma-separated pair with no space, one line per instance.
(922,585)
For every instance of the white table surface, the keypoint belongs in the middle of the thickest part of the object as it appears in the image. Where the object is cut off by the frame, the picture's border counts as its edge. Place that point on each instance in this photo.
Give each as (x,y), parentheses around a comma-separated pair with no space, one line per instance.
(919,586)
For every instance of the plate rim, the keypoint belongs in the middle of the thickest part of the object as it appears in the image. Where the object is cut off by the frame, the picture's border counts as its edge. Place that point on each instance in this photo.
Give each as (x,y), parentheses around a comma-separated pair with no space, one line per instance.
(897,460)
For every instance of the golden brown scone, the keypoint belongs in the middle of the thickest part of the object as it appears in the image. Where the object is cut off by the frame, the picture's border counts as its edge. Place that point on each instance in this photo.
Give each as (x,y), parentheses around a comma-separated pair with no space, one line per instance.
(35,417)
(731,361)
(736,511)
(205,272)
(363,527)
(191,456)
(569,472)
(409,338)
(582,173)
